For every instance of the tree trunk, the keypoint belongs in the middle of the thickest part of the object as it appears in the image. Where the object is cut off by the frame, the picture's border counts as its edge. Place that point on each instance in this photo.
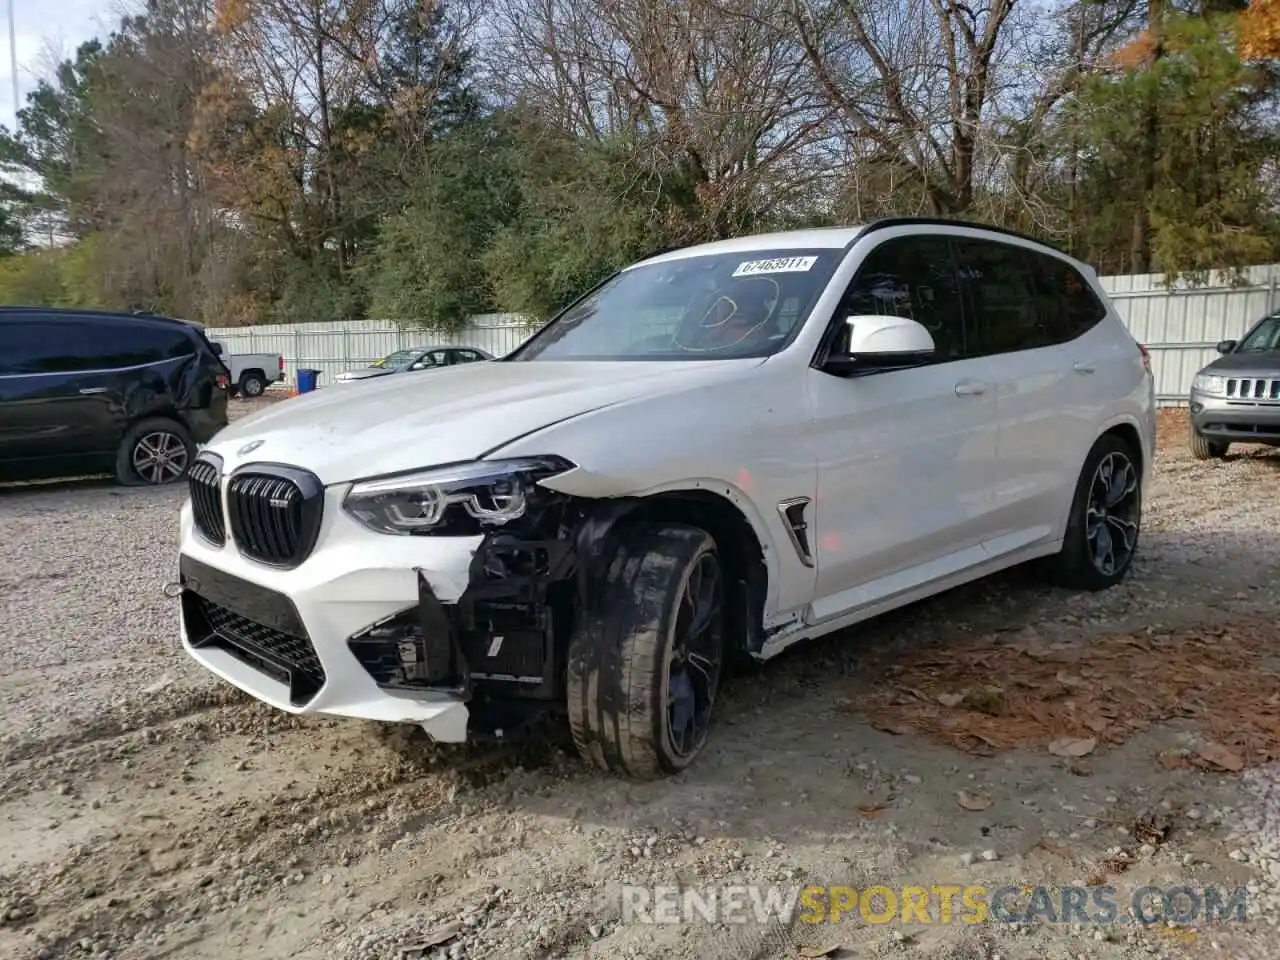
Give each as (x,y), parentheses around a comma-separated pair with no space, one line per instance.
(1140,242)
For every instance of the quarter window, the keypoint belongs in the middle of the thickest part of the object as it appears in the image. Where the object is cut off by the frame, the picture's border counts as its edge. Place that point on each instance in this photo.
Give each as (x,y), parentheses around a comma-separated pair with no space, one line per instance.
(1002,291)
(1068,306)
(124,343)
(915,278)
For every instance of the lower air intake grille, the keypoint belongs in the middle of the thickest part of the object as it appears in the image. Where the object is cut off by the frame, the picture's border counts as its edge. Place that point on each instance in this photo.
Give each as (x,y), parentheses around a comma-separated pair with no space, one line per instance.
(285,657)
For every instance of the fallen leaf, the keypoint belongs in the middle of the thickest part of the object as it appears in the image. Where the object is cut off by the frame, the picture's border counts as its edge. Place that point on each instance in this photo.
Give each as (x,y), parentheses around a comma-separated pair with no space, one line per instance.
(916,693)
(976,743)
(897,729)
(1073,747)
(1172,761)
(869,811)
(1067,680)
(818,951)
(1151,828)
(433,939)
(973,800)
(1220,756)
(1097,724)
(1053,847)
(950,699)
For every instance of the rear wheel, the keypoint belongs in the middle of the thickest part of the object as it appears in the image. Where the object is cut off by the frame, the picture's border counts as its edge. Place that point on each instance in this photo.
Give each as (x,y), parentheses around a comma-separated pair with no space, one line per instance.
(645,663)
(1106,515)
(153,453)
(252,384)
(1203,448)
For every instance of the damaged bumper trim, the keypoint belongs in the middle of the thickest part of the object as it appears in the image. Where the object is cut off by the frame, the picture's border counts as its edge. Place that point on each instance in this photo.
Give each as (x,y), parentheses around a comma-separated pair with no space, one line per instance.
(462,636)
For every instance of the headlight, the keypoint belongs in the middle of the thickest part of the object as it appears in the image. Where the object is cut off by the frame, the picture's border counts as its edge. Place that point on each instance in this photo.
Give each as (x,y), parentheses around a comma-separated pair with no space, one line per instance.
(1211,385)
(456,500)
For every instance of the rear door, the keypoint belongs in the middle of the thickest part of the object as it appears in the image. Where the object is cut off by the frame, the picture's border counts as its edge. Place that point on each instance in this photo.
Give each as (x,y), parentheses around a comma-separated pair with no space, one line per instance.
(57,408)
(1043,404)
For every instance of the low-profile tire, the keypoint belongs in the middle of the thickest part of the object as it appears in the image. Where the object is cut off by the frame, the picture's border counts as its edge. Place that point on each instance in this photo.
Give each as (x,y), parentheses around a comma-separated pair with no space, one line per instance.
(1202,448)
(1106,518)
(154,452)
(252,385)
(645,662)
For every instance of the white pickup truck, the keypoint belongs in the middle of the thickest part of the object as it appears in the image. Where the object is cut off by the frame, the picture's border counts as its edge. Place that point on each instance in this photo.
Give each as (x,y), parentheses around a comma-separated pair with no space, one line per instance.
(251,372)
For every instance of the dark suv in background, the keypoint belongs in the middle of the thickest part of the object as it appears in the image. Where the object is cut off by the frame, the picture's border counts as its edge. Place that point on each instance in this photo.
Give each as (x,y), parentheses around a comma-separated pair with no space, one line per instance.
(86,392)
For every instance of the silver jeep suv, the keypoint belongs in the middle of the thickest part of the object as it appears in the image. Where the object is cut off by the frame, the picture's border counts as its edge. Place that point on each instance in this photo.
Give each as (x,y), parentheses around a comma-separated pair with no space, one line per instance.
(1236,399)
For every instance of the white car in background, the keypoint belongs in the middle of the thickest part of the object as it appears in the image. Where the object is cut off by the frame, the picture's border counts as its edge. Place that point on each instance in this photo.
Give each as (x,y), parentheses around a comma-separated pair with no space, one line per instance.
(716,453)
(415,358)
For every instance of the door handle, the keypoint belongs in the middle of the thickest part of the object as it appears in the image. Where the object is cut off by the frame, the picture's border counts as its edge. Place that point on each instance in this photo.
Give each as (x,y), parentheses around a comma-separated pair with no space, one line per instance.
(1081,367)
(90,391)
(970,388)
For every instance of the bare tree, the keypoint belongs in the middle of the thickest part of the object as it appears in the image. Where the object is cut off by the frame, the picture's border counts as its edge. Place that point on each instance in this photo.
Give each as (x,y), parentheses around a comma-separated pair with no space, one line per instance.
(715,90)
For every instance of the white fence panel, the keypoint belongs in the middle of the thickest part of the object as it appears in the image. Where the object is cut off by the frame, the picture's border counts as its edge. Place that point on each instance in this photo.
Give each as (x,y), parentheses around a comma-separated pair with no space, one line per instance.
(1180,326)
(334,347)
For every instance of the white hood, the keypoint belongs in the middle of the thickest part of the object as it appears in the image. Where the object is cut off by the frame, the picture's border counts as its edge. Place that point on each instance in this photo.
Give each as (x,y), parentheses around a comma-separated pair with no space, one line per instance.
(388,424)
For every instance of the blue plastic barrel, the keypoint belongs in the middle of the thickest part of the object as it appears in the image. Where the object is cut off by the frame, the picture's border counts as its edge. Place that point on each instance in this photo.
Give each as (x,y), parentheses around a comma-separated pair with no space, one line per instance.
(307,379)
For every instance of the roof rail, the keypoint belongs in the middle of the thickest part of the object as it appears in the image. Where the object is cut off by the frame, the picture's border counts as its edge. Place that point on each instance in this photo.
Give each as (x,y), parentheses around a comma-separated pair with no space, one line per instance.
(6,309)
(888,222)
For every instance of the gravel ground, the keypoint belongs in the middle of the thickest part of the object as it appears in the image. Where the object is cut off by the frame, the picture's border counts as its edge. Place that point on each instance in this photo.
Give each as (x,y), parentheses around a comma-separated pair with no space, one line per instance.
(150,811)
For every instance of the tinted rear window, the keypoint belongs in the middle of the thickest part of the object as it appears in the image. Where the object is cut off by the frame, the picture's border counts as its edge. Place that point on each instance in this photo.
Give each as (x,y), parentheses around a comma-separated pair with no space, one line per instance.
(1068,305)
(71,345)
(1002,291)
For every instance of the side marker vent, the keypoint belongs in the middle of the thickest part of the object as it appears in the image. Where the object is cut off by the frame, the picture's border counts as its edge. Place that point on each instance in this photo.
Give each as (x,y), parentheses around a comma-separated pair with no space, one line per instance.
(792,513)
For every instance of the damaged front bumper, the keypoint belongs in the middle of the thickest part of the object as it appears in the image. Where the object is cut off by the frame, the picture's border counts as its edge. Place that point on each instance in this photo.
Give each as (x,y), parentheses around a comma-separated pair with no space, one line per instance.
(464,636)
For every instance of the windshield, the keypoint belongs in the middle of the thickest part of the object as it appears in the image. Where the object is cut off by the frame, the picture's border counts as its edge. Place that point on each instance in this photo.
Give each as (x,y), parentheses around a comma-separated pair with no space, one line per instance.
(397,359)
(713,307)
(1265,336)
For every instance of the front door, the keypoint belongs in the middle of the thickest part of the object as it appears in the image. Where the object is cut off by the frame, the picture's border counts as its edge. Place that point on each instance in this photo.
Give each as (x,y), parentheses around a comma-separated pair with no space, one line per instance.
(905,457)
(55,408)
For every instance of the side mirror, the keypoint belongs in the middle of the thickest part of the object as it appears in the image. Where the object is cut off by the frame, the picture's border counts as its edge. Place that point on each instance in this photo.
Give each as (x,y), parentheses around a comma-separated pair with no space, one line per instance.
(1226,346)
(878,343)
(217,349)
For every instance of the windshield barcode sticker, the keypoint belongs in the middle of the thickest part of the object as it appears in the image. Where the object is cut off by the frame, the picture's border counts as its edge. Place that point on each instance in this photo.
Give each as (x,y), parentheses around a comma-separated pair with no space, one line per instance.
(753,268)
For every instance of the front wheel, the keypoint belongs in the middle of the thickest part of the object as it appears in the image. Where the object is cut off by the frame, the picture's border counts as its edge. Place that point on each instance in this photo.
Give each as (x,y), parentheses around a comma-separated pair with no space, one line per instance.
(1203,448)
(645,662)
(1106,515)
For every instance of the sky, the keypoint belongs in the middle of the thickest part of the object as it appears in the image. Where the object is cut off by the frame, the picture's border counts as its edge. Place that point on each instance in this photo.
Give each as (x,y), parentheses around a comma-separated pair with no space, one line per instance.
(46,31)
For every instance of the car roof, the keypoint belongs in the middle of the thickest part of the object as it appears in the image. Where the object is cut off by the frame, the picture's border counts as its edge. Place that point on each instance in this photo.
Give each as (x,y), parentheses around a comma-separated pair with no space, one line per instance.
(11,311)
(839,238)
(824,238)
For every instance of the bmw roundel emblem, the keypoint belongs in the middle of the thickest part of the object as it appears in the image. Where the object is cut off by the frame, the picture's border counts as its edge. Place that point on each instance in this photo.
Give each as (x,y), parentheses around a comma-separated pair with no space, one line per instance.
(249,447)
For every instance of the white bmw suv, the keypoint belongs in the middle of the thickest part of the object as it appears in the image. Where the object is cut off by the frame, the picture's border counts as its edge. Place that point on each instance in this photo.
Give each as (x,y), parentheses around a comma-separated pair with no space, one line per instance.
(714,454)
